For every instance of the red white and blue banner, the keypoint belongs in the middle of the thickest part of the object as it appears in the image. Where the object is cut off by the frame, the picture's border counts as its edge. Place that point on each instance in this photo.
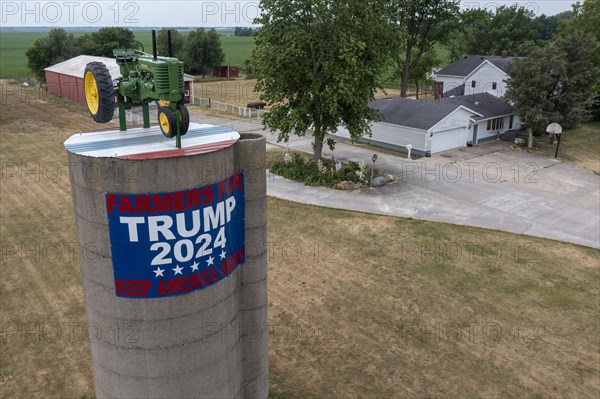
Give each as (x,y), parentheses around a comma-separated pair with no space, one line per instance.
(175,243)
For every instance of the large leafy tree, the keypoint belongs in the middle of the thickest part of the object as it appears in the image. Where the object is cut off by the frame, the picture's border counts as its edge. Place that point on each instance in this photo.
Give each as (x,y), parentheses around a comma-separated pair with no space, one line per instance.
(54,48)
(421,72)
(555,83)
(586,17)
(459,39)
(550,24)
(512,28)
(176,42)
(419,26)
(105,40)
(318,63)
(202,51)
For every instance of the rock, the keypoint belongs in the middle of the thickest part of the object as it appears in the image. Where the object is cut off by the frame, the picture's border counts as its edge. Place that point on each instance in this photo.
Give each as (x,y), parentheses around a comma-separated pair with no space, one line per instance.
(379,181)
(389,178)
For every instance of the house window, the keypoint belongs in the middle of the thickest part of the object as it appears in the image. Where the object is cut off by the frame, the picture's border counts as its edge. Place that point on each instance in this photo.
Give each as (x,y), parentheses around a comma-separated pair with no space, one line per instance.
(510,122)
(473,83)
(494,85)
(495,124)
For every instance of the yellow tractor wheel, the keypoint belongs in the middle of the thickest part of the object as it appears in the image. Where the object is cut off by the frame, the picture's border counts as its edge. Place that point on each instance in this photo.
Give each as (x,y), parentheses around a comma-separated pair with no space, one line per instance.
(99,92)
(184,116)
(167,122)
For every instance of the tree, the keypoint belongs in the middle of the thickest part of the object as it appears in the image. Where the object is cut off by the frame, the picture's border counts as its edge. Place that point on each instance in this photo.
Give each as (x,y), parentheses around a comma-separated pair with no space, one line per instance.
(460,38)
(585,17)
(56,47)
(511,28)
(176,42)
(104,41)
(550,24)
(423,69)
(580,84)
(420,24)
(555,83)
(318,63)
(202,51)
(241,31)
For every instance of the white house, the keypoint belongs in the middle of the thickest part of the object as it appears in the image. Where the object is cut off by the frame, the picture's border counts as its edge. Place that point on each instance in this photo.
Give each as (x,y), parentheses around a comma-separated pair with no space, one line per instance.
(440,125)
(474,74)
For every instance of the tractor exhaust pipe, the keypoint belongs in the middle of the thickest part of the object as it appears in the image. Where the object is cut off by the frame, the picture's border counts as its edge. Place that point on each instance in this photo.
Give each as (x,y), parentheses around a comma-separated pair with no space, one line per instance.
(154,44)
(169,45)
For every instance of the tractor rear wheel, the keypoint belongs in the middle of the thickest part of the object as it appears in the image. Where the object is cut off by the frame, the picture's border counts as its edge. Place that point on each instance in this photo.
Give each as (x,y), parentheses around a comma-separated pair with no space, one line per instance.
(99,92)
(167,122)
(185,117)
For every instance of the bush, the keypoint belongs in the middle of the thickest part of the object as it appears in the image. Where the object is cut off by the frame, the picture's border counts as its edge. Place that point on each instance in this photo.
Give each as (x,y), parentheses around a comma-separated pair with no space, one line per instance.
(321,173)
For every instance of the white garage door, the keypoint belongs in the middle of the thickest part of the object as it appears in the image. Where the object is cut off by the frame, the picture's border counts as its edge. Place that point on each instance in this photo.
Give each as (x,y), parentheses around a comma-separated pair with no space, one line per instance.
(447,140)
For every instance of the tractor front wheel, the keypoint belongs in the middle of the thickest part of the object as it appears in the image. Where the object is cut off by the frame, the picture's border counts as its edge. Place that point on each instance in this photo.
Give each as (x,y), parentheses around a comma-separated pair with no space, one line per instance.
(99,92)
(184,114)
(167,122)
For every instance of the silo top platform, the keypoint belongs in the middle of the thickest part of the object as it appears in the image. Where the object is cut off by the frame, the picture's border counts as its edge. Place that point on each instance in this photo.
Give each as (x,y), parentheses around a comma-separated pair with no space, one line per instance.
(139,143)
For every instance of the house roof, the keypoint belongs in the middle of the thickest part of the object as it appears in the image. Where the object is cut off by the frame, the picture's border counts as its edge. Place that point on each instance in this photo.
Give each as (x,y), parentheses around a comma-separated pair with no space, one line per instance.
(426,114)
(457,91)
(464,66)
(488,105)
(414,113)
(76,66)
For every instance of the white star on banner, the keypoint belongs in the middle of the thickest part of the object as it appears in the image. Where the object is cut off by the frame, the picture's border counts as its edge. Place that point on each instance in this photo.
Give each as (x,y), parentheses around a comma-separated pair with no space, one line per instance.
(159,272)
(210,261)
(223,254)
(194,266)
(178,270)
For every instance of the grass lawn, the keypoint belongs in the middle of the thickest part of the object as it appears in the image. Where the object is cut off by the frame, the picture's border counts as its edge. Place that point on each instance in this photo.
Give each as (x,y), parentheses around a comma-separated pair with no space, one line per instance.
(580,146)
(359,305)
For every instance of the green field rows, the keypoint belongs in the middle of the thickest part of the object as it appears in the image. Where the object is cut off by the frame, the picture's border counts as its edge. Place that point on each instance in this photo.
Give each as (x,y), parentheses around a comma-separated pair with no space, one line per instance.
(13,45)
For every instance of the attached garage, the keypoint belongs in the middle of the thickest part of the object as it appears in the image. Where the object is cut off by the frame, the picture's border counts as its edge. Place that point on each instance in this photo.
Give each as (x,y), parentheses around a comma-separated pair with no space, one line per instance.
(427,126)
(448,139)
(430,127)
(65,79)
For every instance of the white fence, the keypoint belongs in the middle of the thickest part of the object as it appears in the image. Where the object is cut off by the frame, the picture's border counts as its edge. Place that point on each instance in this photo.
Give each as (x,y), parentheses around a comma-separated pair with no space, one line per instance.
(130,116)
(244,112)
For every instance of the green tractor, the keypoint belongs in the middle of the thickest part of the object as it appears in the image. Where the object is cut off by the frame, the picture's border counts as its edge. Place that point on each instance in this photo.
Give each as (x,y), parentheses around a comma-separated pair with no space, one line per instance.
(144,78)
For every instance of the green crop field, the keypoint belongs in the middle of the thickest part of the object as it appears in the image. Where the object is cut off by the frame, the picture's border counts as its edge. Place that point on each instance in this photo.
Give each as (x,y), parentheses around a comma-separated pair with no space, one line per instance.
(12,52)
(14,44)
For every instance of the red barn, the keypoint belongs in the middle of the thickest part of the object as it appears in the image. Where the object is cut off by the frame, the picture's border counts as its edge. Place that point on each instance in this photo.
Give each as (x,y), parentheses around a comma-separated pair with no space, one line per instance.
(225,71)
(65,79)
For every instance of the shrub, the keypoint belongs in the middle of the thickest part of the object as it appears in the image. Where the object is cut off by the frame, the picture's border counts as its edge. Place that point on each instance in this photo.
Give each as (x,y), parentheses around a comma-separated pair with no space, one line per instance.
(321,173)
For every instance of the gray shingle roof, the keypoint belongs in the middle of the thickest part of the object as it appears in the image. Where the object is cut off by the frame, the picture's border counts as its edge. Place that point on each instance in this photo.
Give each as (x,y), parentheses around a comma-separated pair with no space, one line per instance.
(457,91)
(425,114)
(414,113)
(483,103)
(464,66)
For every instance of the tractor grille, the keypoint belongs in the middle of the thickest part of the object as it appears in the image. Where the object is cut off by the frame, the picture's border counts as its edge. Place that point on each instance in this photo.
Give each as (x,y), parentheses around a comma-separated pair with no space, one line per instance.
(161,77)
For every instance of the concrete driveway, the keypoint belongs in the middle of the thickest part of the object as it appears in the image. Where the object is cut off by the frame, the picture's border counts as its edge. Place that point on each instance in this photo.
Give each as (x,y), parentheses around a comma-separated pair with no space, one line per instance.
(487,186)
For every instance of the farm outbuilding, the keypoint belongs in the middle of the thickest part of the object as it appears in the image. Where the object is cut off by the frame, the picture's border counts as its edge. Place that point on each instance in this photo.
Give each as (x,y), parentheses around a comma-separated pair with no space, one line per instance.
(226,71)
(65,79)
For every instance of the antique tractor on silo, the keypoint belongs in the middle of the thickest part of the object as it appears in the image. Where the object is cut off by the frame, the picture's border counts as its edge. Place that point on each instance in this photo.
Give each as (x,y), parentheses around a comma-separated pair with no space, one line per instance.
(144,78)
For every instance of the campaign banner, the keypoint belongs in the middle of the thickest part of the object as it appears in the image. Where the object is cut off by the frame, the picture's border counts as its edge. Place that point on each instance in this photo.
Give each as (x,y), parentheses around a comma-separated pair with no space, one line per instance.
(174,243)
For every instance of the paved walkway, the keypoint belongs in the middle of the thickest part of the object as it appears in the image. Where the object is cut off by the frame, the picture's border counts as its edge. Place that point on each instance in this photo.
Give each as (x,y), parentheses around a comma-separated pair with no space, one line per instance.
(487,186)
